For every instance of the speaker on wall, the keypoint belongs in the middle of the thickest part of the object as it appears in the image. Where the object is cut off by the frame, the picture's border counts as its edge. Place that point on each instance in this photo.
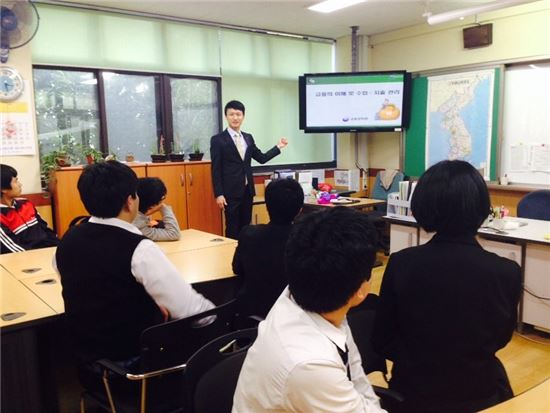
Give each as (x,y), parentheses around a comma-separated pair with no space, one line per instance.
(478,36)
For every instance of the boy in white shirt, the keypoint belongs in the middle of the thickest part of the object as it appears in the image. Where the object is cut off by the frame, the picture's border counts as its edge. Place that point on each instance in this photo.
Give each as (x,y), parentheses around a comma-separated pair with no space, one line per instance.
(305,359)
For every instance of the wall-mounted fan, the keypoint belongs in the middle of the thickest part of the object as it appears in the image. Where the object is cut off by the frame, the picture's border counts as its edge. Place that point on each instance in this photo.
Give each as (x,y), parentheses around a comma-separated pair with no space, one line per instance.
(19,22)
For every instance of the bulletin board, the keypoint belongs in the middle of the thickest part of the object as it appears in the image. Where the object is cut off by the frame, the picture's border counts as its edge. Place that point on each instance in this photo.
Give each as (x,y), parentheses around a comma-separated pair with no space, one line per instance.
(525,146)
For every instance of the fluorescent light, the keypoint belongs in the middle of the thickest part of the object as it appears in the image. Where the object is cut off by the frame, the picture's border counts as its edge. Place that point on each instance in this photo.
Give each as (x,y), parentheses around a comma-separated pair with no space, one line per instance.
(470,11)
(329,6)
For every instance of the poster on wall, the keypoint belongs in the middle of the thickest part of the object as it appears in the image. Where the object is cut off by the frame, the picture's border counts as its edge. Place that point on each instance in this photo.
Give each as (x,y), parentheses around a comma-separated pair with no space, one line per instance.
(459,118)
(17,126)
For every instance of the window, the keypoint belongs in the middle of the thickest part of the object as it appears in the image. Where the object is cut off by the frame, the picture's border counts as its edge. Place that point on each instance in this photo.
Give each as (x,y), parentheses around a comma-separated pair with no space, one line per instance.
(124,112)
(67,110)
(132,114)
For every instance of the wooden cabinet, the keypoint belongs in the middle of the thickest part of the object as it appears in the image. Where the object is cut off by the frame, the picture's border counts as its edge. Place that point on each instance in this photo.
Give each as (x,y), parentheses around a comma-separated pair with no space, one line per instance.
(190,193)
(67,204)
(189,186)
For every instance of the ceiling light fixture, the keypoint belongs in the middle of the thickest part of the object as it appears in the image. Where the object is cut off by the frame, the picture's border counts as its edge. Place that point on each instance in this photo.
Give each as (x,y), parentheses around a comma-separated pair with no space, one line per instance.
(470,11)
(329,6)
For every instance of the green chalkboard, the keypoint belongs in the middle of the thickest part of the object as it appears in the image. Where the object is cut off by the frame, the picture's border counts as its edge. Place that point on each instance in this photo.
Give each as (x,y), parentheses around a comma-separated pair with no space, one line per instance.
(415,137)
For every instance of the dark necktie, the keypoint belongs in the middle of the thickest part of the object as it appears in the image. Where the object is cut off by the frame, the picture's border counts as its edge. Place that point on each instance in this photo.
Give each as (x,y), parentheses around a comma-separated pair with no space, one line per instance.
(344,357)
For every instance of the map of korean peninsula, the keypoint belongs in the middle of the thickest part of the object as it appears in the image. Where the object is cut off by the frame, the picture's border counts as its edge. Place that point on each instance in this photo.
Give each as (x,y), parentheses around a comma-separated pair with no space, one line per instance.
(459,118)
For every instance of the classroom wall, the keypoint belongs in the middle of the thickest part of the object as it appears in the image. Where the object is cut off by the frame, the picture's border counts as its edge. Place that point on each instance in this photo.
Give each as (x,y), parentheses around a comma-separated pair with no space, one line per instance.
(520,33)
(28,166)
(345,142)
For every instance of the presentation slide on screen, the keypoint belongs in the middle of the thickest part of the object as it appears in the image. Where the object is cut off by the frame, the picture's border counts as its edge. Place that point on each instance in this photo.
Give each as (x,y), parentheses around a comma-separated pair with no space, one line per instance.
(354,101)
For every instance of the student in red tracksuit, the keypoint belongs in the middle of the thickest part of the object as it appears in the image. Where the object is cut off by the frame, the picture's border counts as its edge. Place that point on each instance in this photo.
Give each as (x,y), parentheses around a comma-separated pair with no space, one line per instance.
(21,227)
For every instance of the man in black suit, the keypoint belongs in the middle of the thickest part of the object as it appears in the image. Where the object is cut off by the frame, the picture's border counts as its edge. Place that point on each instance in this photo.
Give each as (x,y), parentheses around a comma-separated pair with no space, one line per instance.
(231,152)
(259,257)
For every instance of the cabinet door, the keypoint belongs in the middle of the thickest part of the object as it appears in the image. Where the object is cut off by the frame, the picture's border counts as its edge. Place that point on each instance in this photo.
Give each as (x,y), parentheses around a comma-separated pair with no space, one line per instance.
(173,176)
(202,212)
(402,236)
(67,199)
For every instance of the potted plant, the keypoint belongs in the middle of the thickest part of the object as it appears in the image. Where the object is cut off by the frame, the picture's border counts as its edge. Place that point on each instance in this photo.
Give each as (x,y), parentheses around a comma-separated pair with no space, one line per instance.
(92,155)
(196,155)
(158,154)
(176,155)
(62,158)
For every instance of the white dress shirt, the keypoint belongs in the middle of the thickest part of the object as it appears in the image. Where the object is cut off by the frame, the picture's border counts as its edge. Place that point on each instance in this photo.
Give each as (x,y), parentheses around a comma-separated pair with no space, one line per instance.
(237,135)
(294,366)
(159,277)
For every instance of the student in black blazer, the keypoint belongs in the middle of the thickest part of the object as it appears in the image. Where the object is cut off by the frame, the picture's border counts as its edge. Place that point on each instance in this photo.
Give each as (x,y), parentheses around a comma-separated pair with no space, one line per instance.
(258,259)
(446,307)
(231,152)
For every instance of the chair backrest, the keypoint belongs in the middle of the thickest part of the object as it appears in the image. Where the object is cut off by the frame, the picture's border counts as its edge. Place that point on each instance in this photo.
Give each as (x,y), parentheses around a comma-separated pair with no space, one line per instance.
(214,370)
(361,324)
(172,343)
(79,220)
(379,192)
(535,205)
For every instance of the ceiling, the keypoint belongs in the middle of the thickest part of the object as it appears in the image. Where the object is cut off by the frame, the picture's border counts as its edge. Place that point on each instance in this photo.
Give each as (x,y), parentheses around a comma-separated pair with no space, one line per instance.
(292,16)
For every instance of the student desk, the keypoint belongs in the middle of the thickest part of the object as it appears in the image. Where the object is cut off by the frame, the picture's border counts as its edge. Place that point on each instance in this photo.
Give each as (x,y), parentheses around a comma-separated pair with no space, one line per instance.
(27,264)
(526,245)
(192,239)
(19,306)
(534,400)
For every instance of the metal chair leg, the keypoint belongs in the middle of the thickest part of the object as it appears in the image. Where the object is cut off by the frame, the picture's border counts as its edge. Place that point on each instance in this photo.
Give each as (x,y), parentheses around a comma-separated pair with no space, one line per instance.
(108,391)
(143,395)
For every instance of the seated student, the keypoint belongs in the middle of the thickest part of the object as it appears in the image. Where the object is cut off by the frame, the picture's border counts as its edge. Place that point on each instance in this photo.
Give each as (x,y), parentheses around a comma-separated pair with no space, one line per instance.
(21,227)
(116,282)
(447,306)
(151,192)
(258,259)
(305,359)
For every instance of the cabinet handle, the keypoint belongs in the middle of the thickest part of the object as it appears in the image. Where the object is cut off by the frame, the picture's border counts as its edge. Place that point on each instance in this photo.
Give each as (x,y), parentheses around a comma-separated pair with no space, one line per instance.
(182,179)
(190,179)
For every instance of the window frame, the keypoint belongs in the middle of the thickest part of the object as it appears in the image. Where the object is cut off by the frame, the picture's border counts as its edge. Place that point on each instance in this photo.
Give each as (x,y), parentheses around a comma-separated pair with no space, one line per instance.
(163,98)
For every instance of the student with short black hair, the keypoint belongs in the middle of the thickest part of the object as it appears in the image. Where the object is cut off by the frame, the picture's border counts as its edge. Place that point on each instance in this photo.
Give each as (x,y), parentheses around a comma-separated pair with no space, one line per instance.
(447,306)
(21,226)
(258,259)
(116,282)
(305,358)
(152,192)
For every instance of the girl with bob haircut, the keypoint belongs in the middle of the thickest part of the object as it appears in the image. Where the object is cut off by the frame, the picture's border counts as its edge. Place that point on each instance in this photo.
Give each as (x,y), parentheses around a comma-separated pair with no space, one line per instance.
(446,307)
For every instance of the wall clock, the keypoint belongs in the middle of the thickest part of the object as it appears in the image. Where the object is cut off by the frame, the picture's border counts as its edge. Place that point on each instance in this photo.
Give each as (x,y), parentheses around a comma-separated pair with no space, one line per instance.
(11,84)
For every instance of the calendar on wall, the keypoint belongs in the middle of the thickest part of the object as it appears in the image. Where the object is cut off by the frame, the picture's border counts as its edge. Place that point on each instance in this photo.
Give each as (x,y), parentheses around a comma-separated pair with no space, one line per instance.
(16,123)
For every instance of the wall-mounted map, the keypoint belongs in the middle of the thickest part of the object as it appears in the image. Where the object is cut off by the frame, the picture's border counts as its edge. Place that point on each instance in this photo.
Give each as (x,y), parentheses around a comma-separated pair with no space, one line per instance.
(459,118)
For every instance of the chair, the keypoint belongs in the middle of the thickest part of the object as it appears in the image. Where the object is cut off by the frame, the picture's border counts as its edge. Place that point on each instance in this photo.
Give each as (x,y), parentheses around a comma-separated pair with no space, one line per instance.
(214,369)
(535,205)
(361,323)
(379,192)
(165,349)
(81,219)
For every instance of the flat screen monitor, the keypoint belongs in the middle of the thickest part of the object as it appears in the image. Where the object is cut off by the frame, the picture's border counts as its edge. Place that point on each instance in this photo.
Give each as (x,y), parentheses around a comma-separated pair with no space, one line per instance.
(357,101)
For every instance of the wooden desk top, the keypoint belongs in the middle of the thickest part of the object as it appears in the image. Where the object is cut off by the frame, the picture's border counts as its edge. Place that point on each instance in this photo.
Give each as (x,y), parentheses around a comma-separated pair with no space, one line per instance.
(26,264)
(192,239)
(363,203)
(535,400)
(206,264)
(16,298)
(48,288)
